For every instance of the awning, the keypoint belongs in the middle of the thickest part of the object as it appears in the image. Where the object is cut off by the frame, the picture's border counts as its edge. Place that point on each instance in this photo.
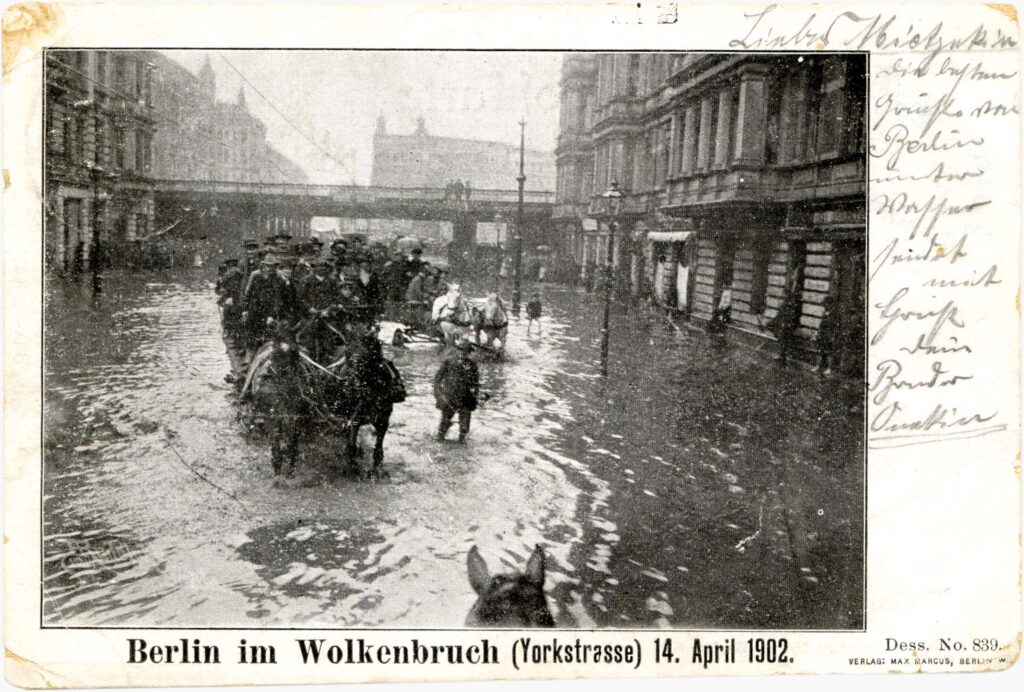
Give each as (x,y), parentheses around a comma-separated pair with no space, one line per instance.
(669,236)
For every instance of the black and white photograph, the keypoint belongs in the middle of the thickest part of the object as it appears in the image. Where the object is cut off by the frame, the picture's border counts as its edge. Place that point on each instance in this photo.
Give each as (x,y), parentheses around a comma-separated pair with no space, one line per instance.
(443,339)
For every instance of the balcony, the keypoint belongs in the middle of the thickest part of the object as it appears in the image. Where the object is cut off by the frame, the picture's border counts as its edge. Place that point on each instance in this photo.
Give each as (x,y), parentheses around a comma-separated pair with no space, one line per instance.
(841,177)
(64,77)
(633,203)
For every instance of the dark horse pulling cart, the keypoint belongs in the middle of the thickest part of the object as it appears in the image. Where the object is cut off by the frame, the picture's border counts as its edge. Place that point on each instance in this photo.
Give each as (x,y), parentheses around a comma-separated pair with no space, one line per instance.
(294,396)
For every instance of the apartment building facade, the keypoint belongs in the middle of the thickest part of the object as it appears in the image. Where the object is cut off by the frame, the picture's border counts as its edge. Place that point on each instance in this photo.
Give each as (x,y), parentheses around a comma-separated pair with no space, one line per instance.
(743,178)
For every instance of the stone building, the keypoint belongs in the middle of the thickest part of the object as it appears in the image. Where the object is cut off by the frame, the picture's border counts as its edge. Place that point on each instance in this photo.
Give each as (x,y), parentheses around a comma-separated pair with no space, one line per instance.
(201,138)
(421,159)
(115,122)
(100,125)
(744,179)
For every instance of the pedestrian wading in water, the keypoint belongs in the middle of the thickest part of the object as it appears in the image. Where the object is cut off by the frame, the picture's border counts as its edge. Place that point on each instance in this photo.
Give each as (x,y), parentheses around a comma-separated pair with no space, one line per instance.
(533,312)
(828,335)
(786,322)
(456,388)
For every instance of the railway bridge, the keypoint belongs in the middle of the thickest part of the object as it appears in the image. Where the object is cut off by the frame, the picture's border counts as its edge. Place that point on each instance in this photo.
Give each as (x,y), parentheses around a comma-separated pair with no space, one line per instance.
(222,214)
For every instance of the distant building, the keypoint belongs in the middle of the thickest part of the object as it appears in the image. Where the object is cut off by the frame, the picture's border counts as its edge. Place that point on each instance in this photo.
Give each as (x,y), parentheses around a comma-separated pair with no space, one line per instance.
(100,124)
(743,178)
(201,138)
(115,121)
(424,160)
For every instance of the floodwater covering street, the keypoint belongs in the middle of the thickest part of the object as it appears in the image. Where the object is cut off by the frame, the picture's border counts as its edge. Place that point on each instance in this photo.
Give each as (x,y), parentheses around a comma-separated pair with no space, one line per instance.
(699,486)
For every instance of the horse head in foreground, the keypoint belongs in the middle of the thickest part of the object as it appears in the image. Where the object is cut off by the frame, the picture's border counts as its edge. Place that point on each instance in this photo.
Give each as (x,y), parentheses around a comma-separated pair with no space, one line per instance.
(508,600)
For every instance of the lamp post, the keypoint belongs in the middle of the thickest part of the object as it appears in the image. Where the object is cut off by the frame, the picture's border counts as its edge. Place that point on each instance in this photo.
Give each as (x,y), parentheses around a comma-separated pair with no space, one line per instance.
(612,199)
(521,179)
(95,254)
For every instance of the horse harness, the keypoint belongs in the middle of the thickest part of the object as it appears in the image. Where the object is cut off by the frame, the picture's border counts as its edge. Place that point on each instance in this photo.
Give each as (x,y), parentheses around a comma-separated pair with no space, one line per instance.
(452,315)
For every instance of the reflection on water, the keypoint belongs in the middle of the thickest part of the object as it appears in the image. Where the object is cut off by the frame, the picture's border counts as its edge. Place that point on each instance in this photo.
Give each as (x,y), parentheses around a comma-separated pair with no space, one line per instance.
(695,487)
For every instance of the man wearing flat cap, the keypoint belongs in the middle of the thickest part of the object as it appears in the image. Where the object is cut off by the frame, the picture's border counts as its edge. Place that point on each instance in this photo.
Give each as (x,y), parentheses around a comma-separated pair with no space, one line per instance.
(269,296)
(229,298)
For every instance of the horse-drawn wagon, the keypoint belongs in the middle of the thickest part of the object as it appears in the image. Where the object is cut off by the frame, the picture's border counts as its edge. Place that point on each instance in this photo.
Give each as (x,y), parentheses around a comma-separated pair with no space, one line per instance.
(294,397)
(451,317)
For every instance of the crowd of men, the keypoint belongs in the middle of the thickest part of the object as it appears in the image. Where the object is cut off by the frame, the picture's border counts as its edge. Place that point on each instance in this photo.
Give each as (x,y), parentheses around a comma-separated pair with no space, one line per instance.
(321,293)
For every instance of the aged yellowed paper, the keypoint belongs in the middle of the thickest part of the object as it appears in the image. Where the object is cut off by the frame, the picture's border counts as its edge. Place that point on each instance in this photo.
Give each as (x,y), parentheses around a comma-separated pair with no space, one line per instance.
(440,342)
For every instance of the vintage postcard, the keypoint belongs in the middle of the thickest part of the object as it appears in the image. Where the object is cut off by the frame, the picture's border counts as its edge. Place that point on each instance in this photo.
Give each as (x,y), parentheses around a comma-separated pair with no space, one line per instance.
(437,342)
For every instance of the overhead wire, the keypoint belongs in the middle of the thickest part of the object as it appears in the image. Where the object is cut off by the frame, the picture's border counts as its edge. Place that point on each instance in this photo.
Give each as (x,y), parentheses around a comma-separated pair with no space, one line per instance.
(288,120)
(169,118)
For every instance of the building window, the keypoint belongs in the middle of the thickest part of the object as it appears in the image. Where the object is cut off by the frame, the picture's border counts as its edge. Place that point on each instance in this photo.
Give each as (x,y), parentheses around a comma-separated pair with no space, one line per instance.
(795,266)
(726,248)
(68,138)
(691,165)
(140,151)
(853,125)
(101,68)
(121,73)
(830,116)
(78,140)
(102,144)
(147,83)
(119,147)
(759,278)
(633,77)
(773,136)
(666,146)
(813,106)
(79,61)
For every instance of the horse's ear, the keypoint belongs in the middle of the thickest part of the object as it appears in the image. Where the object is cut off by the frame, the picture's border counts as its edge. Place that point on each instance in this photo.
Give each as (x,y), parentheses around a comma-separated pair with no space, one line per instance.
(479,577)
(535,567)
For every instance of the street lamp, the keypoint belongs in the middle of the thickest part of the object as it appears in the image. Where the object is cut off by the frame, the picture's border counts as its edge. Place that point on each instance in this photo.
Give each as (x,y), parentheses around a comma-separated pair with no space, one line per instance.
(521,179)
(611,202)
(96,173)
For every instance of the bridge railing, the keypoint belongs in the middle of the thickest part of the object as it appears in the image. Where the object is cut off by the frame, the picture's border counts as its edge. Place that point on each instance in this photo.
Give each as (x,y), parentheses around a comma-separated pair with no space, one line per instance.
(358,194)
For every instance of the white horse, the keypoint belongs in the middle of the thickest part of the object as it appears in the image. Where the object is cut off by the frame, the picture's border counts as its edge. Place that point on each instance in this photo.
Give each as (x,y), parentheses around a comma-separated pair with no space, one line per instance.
(492,321)
(452,315)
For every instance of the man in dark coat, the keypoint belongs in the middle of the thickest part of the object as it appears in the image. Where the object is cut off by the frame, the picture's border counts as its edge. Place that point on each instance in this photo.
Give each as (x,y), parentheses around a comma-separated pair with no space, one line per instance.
(416,310)
(456,387)
(269,295)
(786,322)
(316,294)
(319,290)
(394,278)
(368,284)
(418,290)
(229,298)
(828,335)
(413,264)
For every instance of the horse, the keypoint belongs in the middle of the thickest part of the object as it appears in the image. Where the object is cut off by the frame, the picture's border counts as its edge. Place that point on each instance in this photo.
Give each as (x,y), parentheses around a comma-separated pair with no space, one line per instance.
(491,321)
(275,386)
(508,600)
(363,392)
(292,392)
(453,316)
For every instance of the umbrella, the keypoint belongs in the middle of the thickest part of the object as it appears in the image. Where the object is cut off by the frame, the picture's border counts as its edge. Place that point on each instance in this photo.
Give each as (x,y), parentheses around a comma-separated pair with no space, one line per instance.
(408,244)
